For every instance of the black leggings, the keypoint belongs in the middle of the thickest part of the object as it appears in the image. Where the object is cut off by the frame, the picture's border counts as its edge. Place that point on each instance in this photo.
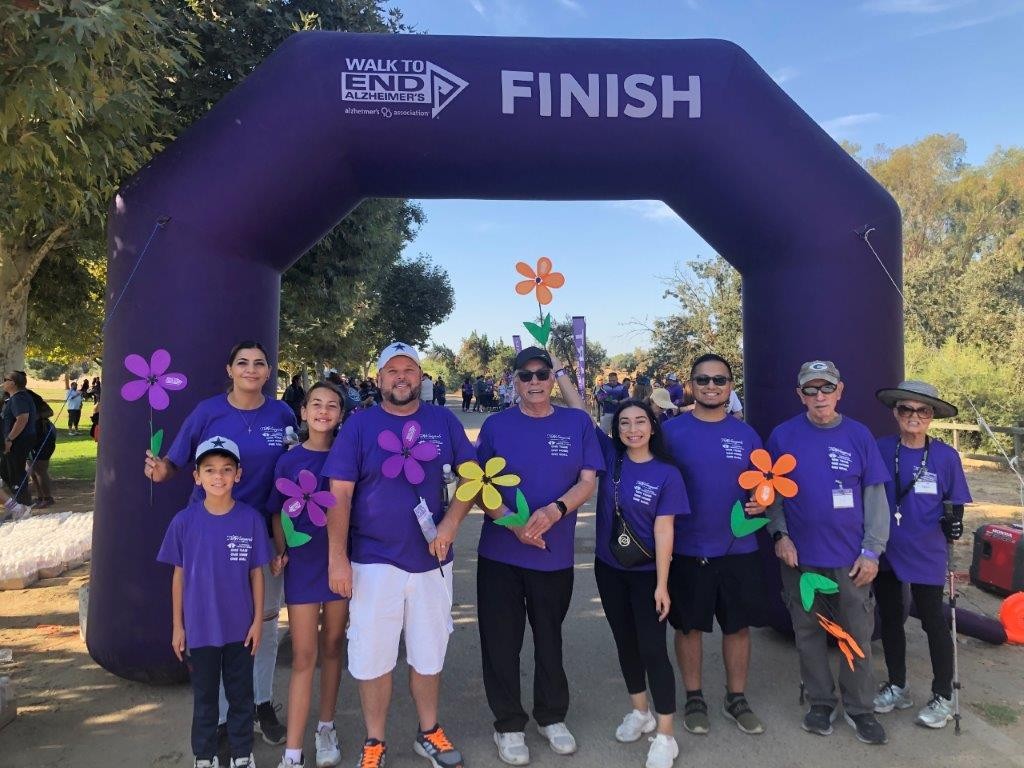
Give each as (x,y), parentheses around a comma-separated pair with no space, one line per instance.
(628,601)
(73,418)
(928,599)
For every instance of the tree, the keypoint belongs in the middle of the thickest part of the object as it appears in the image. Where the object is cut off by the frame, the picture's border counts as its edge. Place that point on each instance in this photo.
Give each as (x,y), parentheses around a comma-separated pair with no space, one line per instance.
(415,296)
(82,88)
(563,344)
(474,354)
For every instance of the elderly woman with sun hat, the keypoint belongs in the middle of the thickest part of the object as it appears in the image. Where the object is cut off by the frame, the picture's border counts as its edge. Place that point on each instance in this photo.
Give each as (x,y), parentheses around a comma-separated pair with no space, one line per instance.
(927,477)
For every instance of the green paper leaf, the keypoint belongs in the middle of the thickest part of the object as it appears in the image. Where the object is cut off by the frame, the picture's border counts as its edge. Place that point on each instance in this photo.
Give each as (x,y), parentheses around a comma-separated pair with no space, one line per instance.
(743,525)
(156,441)
(291,536)
(518,520)
(540,332)
(810,583)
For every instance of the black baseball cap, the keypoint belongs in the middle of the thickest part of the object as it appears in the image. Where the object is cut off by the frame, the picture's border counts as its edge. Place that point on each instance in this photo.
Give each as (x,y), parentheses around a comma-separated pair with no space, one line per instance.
(533,353)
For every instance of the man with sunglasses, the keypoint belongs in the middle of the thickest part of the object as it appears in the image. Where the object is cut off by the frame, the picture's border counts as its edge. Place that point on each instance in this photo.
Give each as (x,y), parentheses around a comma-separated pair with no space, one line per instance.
(527,571)
(837,525)
(714,574)
(927,477)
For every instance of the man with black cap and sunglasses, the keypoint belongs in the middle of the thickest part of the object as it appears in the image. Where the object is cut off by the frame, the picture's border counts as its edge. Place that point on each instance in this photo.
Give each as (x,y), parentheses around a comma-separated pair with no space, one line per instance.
(527,571)
(927,494)
(836,525)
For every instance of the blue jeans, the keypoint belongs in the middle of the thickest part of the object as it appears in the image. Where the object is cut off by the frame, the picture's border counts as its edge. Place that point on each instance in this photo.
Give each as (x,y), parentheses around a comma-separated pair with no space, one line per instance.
(208,666)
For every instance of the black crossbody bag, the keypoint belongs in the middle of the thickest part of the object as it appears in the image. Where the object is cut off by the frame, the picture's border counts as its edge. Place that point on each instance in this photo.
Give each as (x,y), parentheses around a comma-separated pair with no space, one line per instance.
(625,546)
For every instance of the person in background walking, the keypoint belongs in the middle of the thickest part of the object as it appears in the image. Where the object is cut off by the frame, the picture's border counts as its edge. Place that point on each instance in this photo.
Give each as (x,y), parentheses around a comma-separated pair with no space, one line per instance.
(295,395)
(18,419)
(467,394)
(96,389)
(39,459)
(440,392)
(74,399)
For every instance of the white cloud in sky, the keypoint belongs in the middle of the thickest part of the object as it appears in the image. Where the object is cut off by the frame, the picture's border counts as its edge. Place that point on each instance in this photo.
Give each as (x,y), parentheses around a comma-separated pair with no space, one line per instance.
(573,5)
(910,6)
(973,21)
(653,210)
(839,127)
(784,74)
(478,6)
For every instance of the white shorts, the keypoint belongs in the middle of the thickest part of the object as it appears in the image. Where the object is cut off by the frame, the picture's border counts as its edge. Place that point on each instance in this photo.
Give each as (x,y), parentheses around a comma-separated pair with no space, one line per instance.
(387,600)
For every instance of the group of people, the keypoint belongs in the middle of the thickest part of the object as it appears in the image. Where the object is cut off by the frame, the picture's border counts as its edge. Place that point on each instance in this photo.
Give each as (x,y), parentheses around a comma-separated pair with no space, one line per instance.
(363,527)
(29,442)
(485,393)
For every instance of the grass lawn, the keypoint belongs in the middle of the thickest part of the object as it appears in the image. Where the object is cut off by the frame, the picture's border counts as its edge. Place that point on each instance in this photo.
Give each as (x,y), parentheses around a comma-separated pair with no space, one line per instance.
(75,456)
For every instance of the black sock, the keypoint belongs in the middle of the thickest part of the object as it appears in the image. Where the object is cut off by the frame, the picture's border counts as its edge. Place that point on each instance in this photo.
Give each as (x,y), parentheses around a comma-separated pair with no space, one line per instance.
(697,694)
(730,696)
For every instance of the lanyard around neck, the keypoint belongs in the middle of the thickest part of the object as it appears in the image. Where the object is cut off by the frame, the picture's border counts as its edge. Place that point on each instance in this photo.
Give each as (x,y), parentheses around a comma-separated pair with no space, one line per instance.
(902,492)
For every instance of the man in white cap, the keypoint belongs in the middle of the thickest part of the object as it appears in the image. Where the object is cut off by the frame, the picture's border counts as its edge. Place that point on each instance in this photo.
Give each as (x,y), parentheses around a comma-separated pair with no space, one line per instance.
(926,495)
(390,548)
(837,525)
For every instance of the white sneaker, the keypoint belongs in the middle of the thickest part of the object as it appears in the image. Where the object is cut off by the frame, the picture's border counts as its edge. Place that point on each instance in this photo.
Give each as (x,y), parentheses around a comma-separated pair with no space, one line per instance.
(287,762)
(243,762)
(559,738)
(936,713)
(891,696)
(197,763)
(512,748)
(634,725)
(328,752)
(663,752)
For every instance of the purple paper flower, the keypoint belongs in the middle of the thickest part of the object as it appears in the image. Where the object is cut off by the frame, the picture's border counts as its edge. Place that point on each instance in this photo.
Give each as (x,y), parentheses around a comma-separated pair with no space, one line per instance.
(304,495)
(154,379)
(408,452)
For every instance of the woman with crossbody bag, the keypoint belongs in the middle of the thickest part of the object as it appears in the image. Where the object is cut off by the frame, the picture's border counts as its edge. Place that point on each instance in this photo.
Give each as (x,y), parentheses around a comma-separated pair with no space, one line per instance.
(638,496)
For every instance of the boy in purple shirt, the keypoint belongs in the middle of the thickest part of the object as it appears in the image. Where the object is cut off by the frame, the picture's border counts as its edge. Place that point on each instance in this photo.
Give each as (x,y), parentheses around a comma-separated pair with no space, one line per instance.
(218,547)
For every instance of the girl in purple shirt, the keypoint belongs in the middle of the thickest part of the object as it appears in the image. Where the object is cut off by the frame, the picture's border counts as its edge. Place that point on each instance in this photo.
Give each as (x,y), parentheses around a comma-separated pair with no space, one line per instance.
(315,613)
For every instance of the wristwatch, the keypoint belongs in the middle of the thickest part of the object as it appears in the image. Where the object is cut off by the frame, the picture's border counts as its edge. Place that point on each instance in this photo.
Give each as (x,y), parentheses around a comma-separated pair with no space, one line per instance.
(560,373)
(778,535)
(562,509)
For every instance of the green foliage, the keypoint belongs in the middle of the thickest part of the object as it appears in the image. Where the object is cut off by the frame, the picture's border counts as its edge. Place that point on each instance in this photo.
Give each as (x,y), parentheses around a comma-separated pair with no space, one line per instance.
(562,344)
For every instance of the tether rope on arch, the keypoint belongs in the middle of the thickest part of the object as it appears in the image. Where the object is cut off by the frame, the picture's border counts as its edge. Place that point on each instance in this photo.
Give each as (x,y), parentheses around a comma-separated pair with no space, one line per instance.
(161,222)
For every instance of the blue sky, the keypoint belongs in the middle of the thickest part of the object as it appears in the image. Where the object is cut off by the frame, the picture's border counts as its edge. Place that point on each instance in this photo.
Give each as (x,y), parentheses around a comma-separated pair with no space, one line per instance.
(872,71)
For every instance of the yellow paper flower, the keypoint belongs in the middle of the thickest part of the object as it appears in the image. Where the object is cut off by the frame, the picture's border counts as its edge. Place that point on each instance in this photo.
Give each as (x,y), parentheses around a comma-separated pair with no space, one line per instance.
(482,481)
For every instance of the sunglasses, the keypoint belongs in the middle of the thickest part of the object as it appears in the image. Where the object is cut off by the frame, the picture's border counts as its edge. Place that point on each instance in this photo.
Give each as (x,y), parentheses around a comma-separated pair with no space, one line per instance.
(825,389)
(924,412)
(703,381)
(541,374)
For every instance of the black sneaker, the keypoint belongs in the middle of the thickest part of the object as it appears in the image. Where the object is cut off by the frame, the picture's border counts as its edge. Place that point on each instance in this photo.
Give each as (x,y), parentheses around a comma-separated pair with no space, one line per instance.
(436,747)
(819,719)
(373,755)
(868,729)
(268,725)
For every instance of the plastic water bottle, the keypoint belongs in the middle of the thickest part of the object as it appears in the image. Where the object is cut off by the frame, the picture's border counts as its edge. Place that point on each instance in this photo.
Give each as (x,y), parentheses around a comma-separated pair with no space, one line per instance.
(426,520)
(448,477)
(290,436)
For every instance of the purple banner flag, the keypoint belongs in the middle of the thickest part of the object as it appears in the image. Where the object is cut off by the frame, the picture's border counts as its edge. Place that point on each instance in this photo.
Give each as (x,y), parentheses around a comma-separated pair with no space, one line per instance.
(517,343)
(579,336)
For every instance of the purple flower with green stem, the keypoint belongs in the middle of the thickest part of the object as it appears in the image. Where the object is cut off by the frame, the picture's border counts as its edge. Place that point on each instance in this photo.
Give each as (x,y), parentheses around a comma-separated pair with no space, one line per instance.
(304,495)
(407,452)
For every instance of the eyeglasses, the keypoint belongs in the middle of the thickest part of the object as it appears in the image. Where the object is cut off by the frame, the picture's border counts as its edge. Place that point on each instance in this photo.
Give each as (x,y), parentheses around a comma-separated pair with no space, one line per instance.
(541,374)
(924,412)
(825,389)
(703,381)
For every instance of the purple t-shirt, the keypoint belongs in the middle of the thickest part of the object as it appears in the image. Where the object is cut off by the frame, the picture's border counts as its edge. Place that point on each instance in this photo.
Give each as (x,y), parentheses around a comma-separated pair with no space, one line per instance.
(711,455)
(676,392)
(917,547)
(383,526)
(216,553)
(646,491)
(305,576)
(833,466)
(548,454)
(611,396)
(259,434)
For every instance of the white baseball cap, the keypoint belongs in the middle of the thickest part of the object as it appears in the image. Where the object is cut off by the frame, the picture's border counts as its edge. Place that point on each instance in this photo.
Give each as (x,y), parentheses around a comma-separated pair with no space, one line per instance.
(218,444)
(395,350)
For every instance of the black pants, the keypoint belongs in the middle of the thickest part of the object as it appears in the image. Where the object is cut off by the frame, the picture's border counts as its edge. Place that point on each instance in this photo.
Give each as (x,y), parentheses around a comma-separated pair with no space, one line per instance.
(506,596)
(73,418)
(628,601)
(13,466)
(467,401)
(928,599)
(206,665)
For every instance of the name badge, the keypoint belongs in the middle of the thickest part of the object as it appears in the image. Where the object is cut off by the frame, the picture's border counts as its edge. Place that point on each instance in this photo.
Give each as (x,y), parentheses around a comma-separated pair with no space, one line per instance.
(926,486)
(842,498)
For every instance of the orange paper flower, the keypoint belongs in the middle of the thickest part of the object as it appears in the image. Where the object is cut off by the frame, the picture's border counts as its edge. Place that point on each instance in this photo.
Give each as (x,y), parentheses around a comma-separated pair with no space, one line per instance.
(847,645)
(543,280)
(768,478)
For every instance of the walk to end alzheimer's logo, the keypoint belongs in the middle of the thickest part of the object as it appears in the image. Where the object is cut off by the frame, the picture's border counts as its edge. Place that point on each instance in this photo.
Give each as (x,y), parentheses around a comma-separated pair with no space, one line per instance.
(398,87)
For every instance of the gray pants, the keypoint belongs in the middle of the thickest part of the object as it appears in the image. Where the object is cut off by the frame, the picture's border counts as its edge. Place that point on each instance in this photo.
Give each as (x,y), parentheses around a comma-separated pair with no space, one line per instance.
(854,610)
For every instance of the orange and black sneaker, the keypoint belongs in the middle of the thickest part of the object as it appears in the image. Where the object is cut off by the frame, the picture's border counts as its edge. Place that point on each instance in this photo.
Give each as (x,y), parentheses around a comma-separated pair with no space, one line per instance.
(435,746)
(374,754)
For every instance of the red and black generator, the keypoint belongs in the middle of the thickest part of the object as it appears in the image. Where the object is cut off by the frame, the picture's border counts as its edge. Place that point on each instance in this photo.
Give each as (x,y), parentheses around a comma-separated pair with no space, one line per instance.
(998,563)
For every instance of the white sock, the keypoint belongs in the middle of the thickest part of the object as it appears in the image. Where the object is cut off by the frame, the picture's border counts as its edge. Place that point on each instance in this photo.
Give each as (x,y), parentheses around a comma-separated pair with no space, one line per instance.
(325,726)
(295,755)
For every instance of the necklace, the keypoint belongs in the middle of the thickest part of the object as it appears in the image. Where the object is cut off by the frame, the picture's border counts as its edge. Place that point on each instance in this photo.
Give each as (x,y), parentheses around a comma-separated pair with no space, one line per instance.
(249,423)
(900,491)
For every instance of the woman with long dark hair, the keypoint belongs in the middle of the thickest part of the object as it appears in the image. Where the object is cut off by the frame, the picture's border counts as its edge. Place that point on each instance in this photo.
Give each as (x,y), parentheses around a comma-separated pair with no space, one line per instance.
(257,424)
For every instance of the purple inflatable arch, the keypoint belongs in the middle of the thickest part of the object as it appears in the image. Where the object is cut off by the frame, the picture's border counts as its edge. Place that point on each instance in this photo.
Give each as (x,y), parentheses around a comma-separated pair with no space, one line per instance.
(199,238)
